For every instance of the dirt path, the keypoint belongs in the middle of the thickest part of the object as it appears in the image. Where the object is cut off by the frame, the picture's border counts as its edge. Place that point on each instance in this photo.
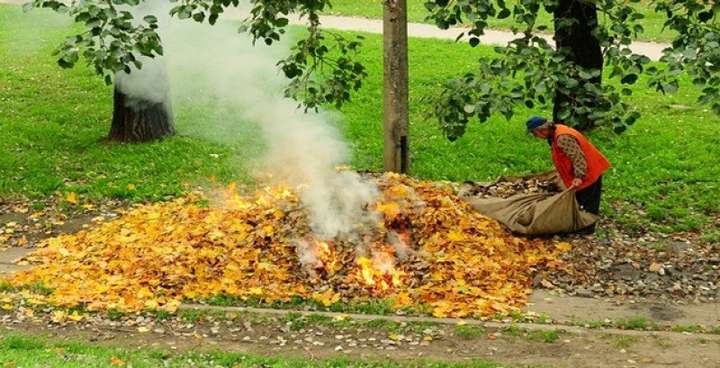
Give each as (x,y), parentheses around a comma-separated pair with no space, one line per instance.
(278,335)
(491,37)
(580,310)
(8,258)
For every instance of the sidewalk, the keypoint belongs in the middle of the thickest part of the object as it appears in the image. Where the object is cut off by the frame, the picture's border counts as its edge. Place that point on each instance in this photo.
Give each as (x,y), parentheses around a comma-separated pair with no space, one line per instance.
(357,24)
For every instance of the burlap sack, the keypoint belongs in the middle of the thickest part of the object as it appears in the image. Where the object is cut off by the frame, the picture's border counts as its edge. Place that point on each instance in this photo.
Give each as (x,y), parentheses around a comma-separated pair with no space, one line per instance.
(534,214)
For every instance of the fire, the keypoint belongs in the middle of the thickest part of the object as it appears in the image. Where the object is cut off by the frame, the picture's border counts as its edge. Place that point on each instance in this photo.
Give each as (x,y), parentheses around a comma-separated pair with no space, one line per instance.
(317,256)
(379,271)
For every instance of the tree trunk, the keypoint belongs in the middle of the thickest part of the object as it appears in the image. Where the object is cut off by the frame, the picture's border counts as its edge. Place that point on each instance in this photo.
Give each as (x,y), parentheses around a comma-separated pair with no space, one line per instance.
(138,120)
(396,116)
(579,45)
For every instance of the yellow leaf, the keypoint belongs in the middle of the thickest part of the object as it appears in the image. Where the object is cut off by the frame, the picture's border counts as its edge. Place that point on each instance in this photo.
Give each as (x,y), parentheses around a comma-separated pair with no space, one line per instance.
(7,307)
(58,316)
(563,246)
(390,209)
(71,198)
(402,300)
(116,361)
(269,230)
(327,297)
(143,329)
(455,235)
(144,293)
(131,187)
(441,309)
(75,316)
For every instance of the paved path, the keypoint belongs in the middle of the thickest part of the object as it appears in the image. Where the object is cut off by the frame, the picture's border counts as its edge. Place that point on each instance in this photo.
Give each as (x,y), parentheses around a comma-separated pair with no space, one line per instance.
(420,30)
(491,37)
(571,309)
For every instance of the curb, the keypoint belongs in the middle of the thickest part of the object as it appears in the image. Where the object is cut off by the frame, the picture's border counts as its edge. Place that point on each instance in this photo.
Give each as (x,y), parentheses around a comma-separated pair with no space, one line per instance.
(447,321)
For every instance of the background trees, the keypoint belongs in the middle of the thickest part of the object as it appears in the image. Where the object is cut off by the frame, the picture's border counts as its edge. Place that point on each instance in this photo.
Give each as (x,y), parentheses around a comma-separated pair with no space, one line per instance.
(592,40)
(593,37)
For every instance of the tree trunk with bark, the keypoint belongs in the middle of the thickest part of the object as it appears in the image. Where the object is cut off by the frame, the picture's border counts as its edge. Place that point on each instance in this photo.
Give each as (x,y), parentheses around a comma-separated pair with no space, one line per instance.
(580,46)
(396,109)
(138,120)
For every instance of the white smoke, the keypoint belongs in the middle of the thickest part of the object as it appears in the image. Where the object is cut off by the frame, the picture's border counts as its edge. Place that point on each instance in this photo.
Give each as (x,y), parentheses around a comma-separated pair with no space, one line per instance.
(220,68)
(150,83)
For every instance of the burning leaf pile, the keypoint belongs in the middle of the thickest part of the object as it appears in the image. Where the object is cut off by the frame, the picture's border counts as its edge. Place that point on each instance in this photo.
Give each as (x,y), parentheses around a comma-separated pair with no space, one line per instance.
(426,247)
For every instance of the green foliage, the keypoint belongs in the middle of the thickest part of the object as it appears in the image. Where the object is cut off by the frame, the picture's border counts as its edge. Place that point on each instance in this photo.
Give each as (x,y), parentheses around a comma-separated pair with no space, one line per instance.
(529,71)
(112,39)
(322,66)
(652,22)
(696,49)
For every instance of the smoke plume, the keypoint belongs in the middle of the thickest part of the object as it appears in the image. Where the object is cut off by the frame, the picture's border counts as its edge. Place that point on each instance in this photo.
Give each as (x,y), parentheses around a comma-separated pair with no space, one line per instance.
(218,70)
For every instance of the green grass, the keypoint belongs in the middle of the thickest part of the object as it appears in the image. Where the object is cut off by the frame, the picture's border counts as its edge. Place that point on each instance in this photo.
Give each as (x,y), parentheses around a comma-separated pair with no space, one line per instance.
(549,336)
(52,122)
(686,328)
(369,306)
(469,331)
(635,323)
(652,23)
(18,350)
(621,341)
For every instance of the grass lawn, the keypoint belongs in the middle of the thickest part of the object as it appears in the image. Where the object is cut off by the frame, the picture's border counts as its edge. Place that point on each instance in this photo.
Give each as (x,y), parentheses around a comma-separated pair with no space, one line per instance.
(52,121)
(18,350)
(653,22)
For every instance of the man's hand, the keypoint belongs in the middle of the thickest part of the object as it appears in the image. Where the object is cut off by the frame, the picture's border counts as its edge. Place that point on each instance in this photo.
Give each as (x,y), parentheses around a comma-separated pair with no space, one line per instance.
(576,183)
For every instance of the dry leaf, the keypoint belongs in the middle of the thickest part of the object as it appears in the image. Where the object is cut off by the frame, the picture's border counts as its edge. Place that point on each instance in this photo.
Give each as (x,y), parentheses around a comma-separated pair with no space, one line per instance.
(655,267)
(116,361)
(448,257)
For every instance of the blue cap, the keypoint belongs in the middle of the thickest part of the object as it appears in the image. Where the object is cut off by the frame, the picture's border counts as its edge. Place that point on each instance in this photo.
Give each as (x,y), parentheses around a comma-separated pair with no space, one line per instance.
(535,122)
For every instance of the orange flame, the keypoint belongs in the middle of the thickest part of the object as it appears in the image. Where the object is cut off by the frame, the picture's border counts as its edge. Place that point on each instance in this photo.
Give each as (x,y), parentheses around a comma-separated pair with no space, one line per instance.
(316,255)
(380,271)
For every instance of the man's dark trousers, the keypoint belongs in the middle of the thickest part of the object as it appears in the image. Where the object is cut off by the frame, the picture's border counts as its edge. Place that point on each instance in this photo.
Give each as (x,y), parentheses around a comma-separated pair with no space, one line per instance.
(589,200)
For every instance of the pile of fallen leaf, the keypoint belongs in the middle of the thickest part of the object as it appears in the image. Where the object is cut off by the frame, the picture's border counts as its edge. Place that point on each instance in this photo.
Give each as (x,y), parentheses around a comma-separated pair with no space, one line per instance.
(506,188)
(25,222)
(428,248)
(673,268)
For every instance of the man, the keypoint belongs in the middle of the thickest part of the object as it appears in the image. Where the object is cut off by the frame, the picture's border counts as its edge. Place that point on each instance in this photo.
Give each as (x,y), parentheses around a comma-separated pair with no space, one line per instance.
(579,164)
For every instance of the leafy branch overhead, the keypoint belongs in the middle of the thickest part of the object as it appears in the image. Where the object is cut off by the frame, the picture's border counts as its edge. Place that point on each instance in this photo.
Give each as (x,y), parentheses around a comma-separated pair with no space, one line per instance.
(322,66)
(111,39)
(531,72)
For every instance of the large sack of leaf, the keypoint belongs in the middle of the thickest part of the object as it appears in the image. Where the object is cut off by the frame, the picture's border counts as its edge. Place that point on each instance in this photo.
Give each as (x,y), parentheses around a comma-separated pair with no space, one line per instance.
(534,210)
